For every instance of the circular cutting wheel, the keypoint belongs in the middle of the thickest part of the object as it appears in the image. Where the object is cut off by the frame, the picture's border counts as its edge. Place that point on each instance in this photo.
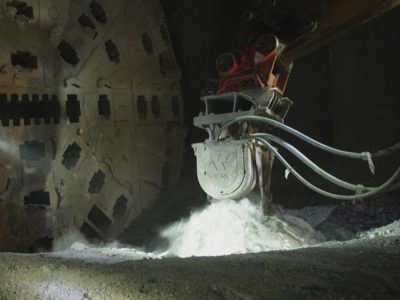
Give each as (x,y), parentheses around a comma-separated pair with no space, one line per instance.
(91,117)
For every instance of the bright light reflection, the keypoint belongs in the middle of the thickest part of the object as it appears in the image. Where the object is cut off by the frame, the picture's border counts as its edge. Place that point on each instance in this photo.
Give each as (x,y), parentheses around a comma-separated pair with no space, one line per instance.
(230,227)
(222,228)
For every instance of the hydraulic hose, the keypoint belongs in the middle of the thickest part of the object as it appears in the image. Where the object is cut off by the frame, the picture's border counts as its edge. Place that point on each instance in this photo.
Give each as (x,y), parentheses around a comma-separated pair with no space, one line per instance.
(375,191)
(387,151)
(311,164)
(367,156)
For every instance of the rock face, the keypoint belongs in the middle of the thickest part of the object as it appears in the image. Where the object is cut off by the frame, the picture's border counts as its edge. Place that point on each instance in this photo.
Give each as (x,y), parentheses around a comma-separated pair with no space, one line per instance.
(91,117)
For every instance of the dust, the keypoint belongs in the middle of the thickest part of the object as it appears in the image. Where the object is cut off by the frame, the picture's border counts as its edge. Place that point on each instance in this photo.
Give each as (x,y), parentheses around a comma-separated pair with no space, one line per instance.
(68,239)
(236,227)
(222,228)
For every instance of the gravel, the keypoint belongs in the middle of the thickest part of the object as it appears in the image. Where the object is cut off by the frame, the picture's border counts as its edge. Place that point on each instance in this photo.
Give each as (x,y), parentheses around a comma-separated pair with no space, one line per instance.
(359,259)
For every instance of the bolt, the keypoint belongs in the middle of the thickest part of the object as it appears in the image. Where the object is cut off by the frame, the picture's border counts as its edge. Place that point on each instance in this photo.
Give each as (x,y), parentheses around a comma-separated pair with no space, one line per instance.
(53,13)
(248,16)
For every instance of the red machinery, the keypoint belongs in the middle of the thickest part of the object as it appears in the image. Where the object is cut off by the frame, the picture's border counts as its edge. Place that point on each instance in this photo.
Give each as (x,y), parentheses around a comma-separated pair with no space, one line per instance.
(257,66)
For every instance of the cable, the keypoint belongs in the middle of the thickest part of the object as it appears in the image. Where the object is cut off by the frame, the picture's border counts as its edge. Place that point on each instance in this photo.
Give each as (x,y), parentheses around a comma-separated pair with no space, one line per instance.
(367,156)
(387,151)
(323,192)
(311,164)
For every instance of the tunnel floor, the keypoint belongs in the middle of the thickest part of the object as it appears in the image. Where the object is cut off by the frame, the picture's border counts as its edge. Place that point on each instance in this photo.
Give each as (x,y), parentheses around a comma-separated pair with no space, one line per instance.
(356,269)
(360,259)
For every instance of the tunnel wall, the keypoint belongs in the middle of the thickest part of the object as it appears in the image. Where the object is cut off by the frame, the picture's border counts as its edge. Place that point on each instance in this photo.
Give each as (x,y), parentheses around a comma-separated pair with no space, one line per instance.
(346,95)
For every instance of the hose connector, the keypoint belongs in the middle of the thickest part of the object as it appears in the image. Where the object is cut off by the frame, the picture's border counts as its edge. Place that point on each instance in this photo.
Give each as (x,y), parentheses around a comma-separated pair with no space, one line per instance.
(367,156)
